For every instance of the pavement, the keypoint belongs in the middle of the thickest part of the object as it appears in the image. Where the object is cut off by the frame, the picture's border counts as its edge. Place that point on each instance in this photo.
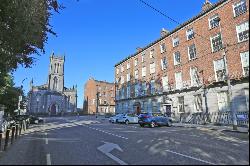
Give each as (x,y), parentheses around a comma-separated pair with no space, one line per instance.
(213,127)
(95,141)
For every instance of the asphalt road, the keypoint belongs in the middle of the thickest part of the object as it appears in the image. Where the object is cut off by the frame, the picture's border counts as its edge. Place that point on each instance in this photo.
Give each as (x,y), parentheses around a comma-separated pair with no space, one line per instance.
(91,141)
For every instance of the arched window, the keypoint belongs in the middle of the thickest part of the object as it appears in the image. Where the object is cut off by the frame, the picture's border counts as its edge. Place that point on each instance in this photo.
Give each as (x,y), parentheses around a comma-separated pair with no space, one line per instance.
(55,83)
(55,68)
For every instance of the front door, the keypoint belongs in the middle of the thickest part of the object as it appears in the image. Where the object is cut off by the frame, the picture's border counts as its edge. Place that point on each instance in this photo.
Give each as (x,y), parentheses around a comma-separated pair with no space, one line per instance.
(168,110)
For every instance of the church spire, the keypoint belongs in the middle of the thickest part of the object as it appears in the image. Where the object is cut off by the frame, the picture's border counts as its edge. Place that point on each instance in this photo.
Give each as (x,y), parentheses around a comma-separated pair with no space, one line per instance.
(207,5)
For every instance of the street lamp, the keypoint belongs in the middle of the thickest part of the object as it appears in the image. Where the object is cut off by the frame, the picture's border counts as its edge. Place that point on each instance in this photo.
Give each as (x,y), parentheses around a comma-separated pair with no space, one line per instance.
(97,100)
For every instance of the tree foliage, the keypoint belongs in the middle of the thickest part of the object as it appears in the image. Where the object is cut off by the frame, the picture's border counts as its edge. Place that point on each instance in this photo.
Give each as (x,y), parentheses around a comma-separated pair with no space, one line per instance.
(24,26)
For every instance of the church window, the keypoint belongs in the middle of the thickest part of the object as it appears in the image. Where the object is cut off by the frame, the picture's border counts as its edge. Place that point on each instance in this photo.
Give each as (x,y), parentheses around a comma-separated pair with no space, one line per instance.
(55,83)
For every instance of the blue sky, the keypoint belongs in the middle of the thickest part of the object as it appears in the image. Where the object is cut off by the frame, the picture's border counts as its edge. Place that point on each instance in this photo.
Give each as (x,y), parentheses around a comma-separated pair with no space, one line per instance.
(94,35)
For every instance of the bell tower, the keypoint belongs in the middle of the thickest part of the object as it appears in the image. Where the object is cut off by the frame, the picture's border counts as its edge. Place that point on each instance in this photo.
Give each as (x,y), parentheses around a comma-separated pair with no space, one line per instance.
(56,73)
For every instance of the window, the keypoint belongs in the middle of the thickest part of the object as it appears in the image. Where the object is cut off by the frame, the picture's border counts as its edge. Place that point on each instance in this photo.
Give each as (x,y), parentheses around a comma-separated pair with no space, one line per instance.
(136,62)
(216,43)
(164,63)
(194,76)
(245,62)
(143,57)
(117,71)
(222,101)
(152,86)
(214,21)
(178,80)
(128,77)
(122,69)
(243,31)
(144,72)
(176,42)
(136,90)
(198,103)
(128,65)
(93,102)
(128,91)
(144,88)
(192,52)
(181,104)
(122,80)
(247,98)
(151,53)
(220,70)
(240,8)
(165,84)
(152,68)
(177,58)
(136,74)
(190,34)
(163,48)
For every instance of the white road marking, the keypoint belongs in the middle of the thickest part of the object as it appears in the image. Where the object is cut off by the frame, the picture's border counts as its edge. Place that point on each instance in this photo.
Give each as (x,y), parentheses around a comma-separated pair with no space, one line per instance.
(48,159)
(46,139)
(207,162)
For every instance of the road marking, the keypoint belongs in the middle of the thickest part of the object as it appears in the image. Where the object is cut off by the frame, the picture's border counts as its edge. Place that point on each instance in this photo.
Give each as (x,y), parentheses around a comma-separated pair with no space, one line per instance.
(207,162)
(48,159)
(107,148)
(46,139)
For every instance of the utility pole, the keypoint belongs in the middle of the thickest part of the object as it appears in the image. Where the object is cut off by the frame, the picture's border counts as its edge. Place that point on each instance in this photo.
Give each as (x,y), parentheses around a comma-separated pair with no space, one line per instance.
(232,111)
(97,100)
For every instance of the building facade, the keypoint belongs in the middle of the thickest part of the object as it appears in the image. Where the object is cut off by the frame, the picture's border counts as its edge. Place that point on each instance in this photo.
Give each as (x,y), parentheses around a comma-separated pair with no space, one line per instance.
(186,70)
(53,98)
(99,97)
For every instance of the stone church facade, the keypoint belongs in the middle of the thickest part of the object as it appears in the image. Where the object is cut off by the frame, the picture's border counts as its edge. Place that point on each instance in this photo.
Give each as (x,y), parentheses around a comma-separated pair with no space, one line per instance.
(53,98)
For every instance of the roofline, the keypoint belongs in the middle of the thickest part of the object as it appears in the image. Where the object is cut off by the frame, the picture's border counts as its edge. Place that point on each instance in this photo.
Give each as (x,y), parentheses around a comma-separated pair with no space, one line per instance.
(175,30)
(103,82)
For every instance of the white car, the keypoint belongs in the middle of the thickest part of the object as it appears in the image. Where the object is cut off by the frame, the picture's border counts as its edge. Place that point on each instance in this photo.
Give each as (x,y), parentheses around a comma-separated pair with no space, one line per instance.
(114,119)
(128,118)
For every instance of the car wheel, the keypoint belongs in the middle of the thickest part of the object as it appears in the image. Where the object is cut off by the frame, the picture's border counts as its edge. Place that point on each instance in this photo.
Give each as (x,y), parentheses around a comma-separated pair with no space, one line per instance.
(126,122)
(152,124)
(142,125)
(169,124)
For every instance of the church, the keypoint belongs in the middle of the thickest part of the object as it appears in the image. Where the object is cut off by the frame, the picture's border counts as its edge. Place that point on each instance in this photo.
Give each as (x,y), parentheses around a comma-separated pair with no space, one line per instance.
(53,98)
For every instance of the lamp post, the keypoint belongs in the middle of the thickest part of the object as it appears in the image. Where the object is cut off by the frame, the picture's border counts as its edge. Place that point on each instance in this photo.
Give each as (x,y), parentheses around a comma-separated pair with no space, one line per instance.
(97,100)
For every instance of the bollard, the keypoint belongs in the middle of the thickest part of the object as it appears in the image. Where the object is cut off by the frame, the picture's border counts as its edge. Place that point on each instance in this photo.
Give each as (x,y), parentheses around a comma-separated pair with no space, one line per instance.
(12,134)
(16,131)
(1,137)
(6,139)
(20,128)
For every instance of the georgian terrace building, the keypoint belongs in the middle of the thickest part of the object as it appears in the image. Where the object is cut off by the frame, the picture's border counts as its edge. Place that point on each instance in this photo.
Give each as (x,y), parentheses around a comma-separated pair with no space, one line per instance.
(185,70)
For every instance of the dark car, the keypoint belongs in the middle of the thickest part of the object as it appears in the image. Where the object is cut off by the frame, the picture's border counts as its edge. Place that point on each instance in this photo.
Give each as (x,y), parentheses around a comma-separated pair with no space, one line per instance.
(35,120)
(153,120)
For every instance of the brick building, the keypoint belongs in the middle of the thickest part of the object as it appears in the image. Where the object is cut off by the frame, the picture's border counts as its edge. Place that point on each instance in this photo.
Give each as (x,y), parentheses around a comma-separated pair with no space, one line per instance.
(185,70)
(99,93)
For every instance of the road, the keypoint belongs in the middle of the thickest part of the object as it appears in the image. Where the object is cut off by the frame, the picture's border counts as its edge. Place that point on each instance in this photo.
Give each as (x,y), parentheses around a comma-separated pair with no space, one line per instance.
(91,141)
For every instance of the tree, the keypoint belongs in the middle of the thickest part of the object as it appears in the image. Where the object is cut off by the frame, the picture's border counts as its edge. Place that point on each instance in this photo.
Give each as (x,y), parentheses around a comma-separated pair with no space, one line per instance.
(24,26)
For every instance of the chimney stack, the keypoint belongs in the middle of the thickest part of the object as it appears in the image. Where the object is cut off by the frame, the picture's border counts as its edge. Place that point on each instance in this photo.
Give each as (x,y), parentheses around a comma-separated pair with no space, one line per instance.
(207,5)
(164,32)
(138,49)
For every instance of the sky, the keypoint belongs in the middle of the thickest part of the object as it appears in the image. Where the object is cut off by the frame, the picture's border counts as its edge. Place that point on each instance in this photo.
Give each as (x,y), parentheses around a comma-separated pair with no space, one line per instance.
(94,35)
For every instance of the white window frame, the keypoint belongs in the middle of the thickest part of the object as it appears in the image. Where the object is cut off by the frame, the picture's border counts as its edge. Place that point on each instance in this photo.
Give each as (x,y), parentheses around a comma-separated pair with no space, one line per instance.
(178,83)
(151,53)
(239,4)
(136,74)
(136,62)
(128,65)
(176,41)
(144,71)
(190,32)
(211,41)
(244,63)
(165,86)
(143,57)
(128,91)
(195,55)
(175,62)
(212,18)
(199,96)
(128,77)
(194,81)
(152,68)
(247,29)
(163,47)
(181,104)
(215,69)
(117,71)
(122,68)
(164,66)
(223,103)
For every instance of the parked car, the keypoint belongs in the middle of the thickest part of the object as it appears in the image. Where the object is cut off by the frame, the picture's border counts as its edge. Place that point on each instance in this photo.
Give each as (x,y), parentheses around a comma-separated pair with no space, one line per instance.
(128,118)
(35,120)
(114,119)
(153,120)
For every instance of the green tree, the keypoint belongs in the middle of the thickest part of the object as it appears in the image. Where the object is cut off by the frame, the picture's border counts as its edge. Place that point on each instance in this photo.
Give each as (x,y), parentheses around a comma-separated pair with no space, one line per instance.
(24,26)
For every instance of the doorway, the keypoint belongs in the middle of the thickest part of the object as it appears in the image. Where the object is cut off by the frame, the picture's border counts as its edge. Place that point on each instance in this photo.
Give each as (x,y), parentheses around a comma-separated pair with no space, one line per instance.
(168,109)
